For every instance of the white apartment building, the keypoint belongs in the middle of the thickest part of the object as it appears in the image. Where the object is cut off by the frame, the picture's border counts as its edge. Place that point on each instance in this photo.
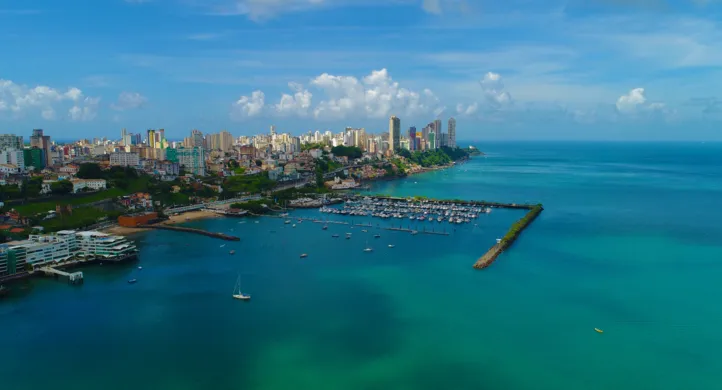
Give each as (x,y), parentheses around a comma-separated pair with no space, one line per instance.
(93,184)
(124,159)
(103,245)
(41,250)
(9,168)
(13,157)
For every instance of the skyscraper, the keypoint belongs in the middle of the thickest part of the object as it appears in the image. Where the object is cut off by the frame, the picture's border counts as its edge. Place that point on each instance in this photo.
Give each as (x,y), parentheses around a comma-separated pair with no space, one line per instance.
(394,133)
(412,138)
(432,140)
(438,130)
(151,138)
(39,140)
(452,132)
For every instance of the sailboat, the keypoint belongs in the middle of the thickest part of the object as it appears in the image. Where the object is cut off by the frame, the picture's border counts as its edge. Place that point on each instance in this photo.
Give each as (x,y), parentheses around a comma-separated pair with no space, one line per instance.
(368,248)
(237,294)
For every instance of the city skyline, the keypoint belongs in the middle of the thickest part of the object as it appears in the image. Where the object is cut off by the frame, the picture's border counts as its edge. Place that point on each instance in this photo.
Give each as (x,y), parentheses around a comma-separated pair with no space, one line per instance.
(558,70)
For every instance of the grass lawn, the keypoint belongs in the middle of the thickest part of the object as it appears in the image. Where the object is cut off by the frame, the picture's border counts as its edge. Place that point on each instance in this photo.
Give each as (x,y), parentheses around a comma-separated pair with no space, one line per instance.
(43,207)
(80,218)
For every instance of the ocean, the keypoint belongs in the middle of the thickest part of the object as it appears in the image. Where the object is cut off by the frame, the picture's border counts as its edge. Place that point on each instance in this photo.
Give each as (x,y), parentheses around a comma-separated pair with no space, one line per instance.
(630,242)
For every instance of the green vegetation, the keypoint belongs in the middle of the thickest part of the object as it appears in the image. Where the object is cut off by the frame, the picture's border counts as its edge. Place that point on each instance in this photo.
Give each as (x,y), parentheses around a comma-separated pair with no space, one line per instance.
(317,145)
(61,187)
(519,225)
(253,206)
(351,152)
(432,158)
(327,165)
(80,218)
(473,151)
(236,185)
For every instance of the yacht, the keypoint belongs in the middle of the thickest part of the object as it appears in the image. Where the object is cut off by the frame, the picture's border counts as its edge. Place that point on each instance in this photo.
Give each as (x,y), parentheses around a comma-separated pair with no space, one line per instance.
(303,256)
(237,294)
(368,248)
(131,281)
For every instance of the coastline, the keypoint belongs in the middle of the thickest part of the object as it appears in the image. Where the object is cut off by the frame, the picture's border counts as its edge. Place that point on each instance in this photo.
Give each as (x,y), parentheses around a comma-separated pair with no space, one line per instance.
(173,220)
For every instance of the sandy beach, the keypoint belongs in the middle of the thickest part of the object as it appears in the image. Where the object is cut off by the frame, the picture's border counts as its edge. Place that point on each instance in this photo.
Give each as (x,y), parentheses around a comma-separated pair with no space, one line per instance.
(174,219)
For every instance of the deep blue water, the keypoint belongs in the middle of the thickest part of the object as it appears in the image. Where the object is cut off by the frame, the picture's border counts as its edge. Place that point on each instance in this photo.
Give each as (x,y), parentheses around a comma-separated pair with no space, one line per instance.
(630,242)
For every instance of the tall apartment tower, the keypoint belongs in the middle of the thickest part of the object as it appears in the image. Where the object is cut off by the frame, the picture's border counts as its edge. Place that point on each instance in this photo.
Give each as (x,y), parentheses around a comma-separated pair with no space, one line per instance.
(438,129)
(452,132)
(394,133)
(412,138)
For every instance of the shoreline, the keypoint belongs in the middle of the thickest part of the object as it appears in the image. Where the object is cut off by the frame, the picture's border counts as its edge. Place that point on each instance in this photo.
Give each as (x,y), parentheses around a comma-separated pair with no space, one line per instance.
(173,220)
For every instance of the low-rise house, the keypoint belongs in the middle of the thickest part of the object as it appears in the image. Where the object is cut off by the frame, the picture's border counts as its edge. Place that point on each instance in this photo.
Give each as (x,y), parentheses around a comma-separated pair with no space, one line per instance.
(90,184)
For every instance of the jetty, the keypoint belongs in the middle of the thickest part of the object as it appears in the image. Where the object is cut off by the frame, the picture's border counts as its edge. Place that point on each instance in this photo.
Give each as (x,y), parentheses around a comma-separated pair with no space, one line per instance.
(504,243)
(73,277)
(192,230)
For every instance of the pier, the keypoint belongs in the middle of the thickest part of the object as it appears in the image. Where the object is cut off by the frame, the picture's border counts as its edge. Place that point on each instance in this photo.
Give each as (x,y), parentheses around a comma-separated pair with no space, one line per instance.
(73,278)
(192,230)
(516,229)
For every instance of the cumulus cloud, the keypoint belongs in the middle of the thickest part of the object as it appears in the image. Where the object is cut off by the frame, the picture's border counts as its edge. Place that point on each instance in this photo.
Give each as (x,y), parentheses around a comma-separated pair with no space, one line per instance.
(470,109)
(636,101)
(493,87)
(248,106)
(129,101)
(297,104)
(18,100)
(85,112)
(375,96)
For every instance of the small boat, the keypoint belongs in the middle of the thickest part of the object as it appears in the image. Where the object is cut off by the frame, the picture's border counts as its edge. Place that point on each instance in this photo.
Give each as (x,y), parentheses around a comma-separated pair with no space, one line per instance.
(140,267)
(294,225)
(413,233)
(232,251)
(598,330)
(334,235)
(325,227)
(368,248)
(223,245)
(287,222)
(256,221)
(348,237)
(377,236)
(131,281)
(238,294)
(391,245)
(364,231)
(303,256)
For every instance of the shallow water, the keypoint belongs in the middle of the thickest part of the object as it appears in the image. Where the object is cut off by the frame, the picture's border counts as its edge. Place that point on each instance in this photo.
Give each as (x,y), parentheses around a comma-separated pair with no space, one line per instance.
(629,242)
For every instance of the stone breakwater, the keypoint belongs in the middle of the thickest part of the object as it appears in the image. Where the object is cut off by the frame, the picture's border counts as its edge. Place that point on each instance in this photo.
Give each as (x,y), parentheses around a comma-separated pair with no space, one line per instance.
(191,230)
(514,231)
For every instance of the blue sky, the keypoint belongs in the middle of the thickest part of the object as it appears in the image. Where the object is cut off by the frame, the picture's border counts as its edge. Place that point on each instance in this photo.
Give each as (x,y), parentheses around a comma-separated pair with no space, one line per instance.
(517,69)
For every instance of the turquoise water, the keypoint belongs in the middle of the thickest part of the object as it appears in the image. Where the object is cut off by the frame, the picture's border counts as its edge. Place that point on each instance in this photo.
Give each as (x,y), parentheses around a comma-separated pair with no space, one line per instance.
(630,242)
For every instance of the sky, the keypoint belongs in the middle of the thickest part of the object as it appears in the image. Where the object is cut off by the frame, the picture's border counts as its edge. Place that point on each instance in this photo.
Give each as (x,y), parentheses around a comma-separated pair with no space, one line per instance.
(506,70)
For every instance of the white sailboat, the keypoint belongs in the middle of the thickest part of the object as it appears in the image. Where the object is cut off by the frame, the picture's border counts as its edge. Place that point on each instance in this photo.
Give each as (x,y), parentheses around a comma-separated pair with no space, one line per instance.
(237,294)
(368,248)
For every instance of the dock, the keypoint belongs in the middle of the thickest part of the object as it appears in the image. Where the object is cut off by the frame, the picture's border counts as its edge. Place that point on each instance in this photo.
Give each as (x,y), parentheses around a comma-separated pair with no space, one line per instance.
(192,230)
(514,231)
(73,277)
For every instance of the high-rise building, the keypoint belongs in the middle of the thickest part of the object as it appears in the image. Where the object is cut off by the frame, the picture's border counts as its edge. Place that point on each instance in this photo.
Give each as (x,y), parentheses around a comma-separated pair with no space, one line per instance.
(438,129)
(193,160)
(197,139)
(273,130)
(151,138)
(39,140)
(394,133)
(34,157)
(432,140)
(452,132)
(412,138)
(10,141)
(226,141)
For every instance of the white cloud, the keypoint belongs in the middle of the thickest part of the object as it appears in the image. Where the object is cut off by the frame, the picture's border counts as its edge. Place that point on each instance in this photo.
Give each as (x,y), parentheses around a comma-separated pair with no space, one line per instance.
(259,10)
(630,102)
(297,104)
(493,88)
(85,112)
(18,100)
(129,101)
(470,109)
(247,106)
(432,6)
(374,96)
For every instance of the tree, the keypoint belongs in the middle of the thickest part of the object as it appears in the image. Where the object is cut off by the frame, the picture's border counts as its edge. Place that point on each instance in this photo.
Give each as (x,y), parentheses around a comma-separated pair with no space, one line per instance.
(61,187)
(89,171)
(351,152)
(259,163)
(319,177)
